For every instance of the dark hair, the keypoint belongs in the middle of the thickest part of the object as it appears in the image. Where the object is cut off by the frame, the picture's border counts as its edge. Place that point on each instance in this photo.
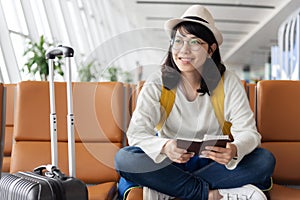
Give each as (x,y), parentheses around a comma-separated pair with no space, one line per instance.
(213,69)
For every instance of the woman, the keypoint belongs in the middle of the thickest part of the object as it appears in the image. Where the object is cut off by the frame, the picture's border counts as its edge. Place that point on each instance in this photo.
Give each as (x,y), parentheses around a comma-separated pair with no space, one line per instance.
(193,66)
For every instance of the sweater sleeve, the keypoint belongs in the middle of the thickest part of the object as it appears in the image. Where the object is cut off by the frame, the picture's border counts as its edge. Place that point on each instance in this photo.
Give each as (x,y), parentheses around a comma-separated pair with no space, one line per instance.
(147,114)
(238,112)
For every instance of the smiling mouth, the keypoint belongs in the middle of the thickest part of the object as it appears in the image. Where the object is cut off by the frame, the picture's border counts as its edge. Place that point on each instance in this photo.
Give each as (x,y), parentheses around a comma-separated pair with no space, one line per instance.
(185,59)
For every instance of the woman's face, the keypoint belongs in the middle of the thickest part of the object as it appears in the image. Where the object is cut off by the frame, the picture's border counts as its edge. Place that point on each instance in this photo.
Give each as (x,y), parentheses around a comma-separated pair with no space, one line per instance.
(188,51)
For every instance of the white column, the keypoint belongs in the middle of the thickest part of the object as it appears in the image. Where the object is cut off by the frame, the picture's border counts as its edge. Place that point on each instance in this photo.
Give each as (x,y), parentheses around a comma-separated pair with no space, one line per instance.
(8,51)
(68,24)
(29,18)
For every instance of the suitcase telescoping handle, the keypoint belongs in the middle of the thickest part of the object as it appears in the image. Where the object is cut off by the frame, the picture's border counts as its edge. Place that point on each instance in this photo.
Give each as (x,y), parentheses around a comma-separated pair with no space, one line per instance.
(51,54)
(50,171)
(59,51)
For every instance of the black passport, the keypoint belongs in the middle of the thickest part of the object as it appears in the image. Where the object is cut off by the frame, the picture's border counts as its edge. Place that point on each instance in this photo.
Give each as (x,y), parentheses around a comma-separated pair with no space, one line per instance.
(199,145)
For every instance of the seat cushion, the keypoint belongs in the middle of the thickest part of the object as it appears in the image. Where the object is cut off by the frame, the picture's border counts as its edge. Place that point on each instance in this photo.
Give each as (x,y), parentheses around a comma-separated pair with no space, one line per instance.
(277,193)
(94,161)
(6,164)
(135,194)
(280,192)
(104,191)
(286,169)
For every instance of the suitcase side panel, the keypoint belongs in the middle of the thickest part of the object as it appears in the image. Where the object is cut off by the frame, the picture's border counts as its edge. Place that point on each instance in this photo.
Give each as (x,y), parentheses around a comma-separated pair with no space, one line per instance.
(20,187)
(50,188)
(60,189)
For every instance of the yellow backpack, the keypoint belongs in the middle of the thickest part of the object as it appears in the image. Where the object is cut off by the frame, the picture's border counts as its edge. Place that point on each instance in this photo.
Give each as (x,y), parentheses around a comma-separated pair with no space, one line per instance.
(167,99)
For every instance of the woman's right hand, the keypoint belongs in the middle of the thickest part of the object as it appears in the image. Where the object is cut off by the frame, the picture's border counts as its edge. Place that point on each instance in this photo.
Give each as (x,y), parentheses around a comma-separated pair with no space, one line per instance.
(176,154)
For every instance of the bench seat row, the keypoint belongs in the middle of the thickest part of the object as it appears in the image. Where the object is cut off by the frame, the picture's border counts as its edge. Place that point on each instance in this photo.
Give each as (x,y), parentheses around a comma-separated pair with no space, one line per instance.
(102,113)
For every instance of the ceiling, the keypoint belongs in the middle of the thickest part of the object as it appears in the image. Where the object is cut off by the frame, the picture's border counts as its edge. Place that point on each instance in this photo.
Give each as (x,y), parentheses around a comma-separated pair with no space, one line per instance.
(249,27)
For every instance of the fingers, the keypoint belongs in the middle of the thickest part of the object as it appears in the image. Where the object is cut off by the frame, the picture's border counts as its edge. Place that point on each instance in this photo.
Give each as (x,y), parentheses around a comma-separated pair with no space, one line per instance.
(176,154)
(179,155)
(218,154)
(184,158)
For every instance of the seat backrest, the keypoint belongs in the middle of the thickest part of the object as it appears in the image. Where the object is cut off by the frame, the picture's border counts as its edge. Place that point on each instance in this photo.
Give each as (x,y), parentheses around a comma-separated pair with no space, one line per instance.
(244,83)
(277,116)
(9,120)
(9,124)
(98,111)
(128,104)
(139,87)
(136,89)
(251,95)
(2,124)
(133,88)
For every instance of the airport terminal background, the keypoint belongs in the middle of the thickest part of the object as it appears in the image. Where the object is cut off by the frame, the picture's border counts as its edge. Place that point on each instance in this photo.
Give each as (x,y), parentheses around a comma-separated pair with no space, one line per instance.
(124,41)
(113,34)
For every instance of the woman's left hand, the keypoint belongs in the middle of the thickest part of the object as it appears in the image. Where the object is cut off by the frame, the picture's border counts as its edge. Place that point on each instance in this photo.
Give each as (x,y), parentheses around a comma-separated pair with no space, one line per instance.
(219,154)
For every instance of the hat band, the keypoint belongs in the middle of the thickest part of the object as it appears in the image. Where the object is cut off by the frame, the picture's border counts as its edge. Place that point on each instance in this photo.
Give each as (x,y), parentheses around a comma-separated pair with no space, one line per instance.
(196,18)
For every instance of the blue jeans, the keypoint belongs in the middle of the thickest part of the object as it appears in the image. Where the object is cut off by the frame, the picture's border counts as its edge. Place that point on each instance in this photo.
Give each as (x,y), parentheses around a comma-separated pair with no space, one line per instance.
(195,178)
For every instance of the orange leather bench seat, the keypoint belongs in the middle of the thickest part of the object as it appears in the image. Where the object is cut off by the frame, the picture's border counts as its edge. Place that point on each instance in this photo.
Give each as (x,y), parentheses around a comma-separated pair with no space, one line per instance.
(98,111)
(277,117)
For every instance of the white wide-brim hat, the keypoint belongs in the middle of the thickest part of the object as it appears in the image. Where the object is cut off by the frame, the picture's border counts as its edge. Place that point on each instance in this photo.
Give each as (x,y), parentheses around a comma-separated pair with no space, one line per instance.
(198,14)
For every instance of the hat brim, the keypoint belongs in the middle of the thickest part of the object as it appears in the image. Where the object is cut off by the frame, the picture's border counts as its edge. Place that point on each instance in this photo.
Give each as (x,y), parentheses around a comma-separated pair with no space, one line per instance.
(170,24)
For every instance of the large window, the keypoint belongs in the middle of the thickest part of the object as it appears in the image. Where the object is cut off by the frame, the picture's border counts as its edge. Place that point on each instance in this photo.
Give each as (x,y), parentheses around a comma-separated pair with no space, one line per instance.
(3,71)
(78,23)
(288,38)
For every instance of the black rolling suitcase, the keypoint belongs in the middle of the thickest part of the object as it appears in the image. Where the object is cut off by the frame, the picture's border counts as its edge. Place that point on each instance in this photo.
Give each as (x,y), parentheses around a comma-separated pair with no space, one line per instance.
(48,182)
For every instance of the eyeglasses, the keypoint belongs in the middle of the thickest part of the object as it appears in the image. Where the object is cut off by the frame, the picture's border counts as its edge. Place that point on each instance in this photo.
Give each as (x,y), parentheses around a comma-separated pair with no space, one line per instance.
(194,44)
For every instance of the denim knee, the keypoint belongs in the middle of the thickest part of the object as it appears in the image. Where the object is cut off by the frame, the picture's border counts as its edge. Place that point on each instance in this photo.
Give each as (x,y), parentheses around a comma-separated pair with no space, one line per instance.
(266,160)
(118,159)
(124,158)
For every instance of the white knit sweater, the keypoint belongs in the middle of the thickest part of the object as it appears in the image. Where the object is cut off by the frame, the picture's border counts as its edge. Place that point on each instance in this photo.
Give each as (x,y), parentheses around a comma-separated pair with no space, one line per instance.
(192,119)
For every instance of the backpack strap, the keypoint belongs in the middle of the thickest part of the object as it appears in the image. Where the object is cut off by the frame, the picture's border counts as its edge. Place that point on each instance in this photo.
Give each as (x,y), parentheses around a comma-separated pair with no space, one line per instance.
(217,100)
(167,100)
